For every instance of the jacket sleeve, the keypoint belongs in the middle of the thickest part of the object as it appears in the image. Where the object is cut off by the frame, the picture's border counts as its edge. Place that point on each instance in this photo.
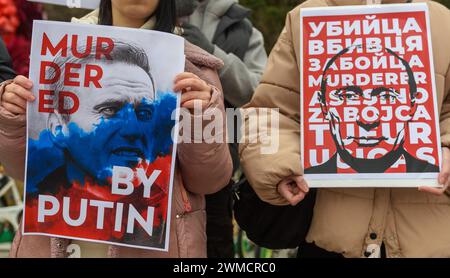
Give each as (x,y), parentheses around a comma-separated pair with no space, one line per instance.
(240,78)
(12,140)
(203,154)
(6,71)
(279,89)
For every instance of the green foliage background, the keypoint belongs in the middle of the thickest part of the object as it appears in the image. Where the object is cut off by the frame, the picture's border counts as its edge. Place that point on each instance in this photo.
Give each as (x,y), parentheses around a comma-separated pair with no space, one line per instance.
(268,15)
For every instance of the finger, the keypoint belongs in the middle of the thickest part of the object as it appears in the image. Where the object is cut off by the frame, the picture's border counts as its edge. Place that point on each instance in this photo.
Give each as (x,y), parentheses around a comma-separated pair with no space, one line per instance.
(190,84)
(432,190)
(297,198)
(185,75)
(13,108)
(195,95)
(287,182)
(23,81)
(295,189)
(445,172)
(20,91)
(285,191)
(14,99)
(301,183)
(195,104)
(292,194)
(193,83)
(281,185)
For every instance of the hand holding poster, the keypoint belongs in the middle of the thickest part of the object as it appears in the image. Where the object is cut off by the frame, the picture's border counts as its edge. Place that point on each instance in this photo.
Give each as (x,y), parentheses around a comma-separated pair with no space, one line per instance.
(369,97)
(100,152)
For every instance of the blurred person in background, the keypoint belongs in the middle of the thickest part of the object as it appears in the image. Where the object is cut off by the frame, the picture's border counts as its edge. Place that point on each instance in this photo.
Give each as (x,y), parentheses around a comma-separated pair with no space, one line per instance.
(6,71)
(16,22)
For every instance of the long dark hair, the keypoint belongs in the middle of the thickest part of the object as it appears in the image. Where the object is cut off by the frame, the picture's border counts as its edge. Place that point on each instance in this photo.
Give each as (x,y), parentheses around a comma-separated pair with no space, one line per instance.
(165,15)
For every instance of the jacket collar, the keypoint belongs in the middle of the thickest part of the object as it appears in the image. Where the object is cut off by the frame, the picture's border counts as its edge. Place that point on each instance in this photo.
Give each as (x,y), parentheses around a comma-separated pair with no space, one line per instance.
(93,17)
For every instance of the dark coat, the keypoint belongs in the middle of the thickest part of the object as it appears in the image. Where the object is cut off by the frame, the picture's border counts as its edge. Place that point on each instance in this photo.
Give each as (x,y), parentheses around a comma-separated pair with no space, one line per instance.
(6,70)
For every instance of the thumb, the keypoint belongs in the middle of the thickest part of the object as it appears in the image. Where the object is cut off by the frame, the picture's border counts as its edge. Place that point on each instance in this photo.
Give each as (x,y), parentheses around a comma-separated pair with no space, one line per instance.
(23,82)
(445,172)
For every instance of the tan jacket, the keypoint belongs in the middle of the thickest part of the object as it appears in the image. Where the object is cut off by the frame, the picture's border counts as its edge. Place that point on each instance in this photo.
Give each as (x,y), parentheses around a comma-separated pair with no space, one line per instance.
(347,221)
(200,169)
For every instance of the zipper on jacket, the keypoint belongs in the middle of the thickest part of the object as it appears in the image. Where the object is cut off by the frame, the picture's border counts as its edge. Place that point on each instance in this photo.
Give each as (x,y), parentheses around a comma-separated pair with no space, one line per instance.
(185,198)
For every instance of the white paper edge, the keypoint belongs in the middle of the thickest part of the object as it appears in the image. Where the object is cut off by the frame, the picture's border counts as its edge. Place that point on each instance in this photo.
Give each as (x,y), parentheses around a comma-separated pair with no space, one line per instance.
(405,180)
(174,149)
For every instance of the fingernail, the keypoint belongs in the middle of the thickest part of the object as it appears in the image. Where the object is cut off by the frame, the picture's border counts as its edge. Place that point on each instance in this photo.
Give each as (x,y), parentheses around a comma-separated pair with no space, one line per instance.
(305,188)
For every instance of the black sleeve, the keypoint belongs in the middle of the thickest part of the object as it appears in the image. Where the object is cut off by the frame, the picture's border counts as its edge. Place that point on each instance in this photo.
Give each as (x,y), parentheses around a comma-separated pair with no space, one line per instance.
(6,71)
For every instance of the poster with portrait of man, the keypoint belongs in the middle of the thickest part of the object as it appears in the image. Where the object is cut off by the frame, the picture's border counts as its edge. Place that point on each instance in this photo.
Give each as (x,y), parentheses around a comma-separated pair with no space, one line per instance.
(368,97)
(100,152)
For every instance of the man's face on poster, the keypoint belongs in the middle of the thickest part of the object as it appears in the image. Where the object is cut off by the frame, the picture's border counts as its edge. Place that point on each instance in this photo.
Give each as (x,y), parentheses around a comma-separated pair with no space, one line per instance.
(367,114)
(113,124)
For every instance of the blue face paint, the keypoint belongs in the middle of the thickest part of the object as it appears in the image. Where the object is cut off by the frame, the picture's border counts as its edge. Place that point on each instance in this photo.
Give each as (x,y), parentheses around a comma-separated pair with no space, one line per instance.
(124,138)
(43,158)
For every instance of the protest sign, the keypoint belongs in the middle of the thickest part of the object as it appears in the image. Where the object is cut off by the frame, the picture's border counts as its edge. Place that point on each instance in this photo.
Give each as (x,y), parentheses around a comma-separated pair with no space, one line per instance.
(100,152)
(85,4)
(368,97)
